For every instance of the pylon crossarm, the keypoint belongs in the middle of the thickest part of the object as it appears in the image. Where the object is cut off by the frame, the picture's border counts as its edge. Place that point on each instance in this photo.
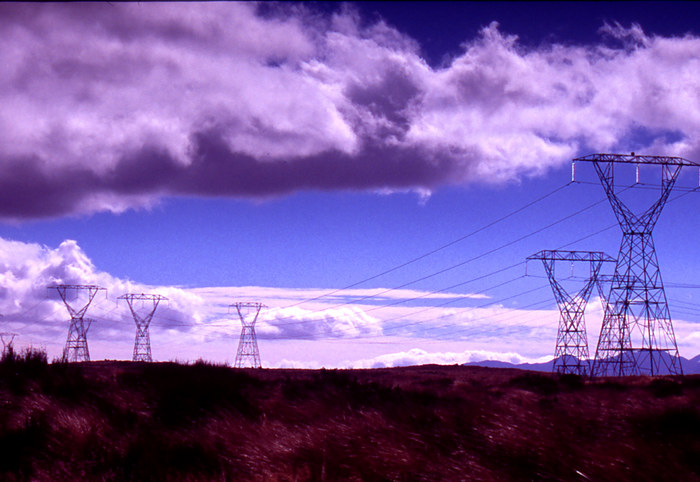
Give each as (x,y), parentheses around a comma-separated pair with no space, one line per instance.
(604,166)
(142,322)
(242,315)
(549,258)
(561,255)
(142,297)
(63,290)
(636,159)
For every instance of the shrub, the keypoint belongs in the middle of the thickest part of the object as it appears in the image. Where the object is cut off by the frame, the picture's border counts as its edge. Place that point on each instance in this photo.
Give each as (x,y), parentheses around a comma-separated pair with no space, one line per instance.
(66,381)
(20,446)
(542,384)
(571,381)
(30,359)
(17,370)
(663,387)
(184,393)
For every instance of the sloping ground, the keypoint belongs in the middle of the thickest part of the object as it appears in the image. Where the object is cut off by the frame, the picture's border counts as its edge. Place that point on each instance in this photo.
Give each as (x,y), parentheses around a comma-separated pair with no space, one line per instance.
(131,421)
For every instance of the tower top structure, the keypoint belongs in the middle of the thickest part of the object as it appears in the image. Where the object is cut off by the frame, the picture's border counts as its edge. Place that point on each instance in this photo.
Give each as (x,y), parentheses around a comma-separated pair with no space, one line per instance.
(633,158)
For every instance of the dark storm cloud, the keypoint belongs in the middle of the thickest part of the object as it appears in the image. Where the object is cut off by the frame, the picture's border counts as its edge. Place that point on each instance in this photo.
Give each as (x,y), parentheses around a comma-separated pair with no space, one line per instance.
(29,190)
(216,170)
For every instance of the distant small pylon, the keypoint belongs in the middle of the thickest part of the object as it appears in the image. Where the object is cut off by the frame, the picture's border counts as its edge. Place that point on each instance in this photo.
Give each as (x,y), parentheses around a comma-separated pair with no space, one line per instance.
(571,353)
(142,343)
(76,349)
(248,354)
(7,341)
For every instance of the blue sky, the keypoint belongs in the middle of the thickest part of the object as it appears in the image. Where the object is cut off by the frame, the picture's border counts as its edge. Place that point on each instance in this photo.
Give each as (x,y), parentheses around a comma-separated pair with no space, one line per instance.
(314,146)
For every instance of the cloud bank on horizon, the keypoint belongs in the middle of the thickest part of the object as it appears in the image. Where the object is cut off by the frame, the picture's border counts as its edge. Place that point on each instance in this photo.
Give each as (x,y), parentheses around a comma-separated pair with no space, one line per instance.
(196,322)
(31,308)
(114,106)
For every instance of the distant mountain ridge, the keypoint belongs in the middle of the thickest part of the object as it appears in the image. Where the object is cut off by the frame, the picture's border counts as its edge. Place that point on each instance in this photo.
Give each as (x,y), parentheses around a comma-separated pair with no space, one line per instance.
(690,367)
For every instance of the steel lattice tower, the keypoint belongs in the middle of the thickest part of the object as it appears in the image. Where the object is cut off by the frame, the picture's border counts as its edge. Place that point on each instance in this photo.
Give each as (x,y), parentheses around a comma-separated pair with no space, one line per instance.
(7,341)
(571,353)
(76,349)
(248,353)
(142,343)
(637,336)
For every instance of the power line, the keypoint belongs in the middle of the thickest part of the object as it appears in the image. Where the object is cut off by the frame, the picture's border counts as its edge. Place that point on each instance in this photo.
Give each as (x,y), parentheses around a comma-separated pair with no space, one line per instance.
(431,275)
(452,267)
(441,271)
(414,313)
(503,269)
(436,250)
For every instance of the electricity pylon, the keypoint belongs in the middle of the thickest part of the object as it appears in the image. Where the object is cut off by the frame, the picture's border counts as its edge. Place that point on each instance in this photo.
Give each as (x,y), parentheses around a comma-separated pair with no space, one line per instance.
(637,336)
(76,349)
(142,343)
(248,353)
(571,353)
(7,341)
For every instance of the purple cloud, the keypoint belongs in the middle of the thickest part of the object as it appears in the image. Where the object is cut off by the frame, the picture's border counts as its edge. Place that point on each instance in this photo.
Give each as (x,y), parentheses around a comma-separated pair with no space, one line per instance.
(110,107)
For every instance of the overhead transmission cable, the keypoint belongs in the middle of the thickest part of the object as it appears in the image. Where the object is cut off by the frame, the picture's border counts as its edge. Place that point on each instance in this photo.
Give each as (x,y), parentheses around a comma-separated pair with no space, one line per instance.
(418,258)
(374,295)
(474,279)
(413,313)
(471,259)
(462,263)
(433,251)
(441,271)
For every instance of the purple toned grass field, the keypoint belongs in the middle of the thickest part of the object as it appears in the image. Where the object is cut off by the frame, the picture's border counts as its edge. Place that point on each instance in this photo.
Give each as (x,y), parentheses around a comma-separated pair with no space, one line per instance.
(166,421)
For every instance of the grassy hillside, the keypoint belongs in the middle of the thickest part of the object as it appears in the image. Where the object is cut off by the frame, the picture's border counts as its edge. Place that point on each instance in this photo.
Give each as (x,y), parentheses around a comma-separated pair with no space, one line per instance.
(160,421)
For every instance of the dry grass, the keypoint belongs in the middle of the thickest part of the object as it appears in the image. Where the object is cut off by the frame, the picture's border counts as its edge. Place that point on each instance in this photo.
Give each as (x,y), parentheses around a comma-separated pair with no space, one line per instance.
(164,421)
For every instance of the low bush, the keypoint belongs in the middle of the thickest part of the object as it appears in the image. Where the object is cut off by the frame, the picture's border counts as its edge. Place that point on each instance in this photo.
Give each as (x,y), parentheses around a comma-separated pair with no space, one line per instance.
(571,381)
(19,369)
(663,387)
(19,447)
(542,384)
(184,393)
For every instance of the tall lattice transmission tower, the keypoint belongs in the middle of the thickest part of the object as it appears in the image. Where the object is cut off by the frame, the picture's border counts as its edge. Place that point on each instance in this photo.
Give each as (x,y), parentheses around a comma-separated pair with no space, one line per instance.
(571,353)
(248,354)
(76,349)
(636,337)
(142,319)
